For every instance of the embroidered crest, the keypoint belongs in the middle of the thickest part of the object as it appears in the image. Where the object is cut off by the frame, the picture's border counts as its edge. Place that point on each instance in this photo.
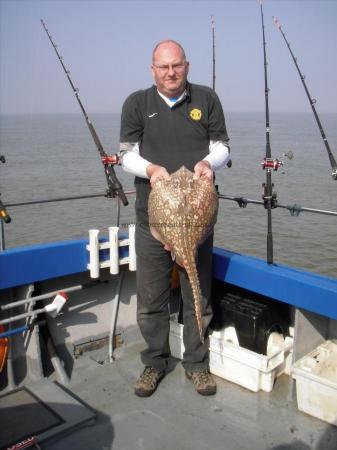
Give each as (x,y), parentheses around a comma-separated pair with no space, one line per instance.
(195,114)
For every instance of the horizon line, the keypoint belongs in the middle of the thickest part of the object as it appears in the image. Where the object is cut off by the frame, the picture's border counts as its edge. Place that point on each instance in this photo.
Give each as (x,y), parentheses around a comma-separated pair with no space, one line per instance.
(114,112)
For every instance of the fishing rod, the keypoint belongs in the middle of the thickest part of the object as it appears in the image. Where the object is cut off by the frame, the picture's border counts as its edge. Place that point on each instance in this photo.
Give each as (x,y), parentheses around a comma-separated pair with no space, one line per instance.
(114,186)
(268,163)
(213,46)
(229,162)
(312,102)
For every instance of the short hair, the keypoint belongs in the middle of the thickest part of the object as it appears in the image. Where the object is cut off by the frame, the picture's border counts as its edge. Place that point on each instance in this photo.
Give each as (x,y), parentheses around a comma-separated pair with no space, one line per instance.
(165,42)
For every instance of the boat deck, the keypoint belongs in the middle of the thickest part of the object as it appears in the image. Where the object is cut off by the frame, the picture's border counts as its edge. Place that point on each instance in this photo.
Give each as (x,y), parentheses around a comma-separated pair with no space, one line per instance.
(175,416)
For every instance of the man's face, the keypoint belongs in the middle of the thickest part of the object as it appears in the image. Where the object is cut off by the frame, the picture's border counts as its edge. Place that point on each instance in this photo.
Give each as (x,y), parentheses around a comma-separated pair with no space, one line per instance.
(170,69)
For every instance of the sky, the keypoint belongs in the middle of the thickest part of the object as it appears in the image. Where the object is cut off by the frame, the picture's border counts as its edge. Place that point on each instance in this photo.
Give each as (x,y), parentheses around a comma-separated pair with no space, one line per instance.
(107,46)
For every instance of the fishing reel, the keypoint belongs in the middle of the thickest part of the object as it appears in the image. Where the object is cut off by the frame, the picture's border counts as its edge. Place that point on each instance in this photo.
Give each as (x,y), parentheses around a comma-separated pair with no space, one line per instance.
(275,164)
(269,163)
(110,160)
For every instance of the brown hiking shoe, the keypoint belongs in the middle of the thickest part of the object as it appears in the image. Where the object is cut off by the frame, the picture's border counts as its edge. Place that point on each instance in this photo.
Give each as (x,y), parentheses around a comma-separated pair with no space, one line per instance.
(203,382)
(148,381)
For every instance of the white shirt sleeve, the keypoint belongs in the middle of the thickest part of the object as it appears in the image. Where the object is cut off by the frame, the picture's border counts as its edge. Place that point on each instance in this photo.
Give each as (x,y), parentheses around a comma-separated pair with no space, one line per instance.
(218,154)
(132,162)
(135,164)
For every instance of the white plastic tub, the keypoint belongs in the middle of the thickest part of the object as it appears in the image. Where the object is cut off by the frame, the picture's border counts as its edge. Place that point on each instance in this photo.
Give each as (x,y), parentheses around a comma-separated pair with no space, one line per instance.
(237,364)
(245,367)
(316,382)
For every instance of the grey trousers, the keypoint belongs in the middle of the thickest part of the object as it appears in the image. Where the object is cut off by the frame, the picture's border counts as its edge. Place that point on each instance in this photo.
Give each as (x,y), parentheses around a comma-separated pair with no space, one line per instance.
(154,268)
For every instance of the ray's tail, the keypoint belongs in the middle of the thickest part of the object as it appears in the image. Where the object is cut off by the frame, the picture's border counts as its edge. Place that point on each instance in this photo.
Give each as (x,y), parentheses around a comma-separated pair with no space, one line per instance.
(191,269)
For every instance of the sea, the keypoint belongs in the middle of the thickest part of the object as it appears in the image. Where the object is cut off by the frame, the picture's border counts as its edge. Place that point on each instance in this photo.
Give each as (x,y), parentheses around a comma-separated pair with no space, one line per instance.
(53,156)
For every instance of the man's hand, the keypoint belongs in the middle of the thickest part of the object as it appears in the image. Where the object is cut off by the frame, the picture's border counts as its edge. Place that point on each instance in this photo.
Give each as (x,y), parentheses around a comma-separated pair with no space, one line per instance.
(110,159)
(203,169)
(156,173)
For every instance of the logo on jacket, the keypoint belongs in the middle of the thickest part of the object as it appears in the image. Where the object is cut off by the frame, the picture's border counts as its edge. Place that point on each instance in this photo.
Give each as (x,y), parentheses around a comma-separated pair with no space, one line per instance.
(195,114)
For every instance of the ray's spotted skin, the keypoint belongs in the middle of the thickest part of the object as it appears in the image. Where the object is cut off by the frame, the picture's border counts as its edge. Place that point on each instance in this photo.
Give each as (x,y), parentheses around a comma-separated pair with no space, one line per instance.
(182,214)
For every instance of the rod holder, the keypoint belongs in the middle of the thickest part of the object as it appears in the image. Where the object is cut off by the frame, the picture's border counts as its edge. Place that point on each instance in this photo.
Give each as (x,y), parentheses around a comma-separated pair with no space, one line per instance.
(112,245)
(114,250)
(132,248)
(94,253)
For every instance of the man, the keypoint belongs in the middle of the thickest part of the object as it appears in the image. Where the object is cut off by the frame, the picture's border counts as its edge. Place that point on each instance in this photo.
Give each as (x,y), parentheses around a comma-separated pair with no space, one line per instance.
(171,124)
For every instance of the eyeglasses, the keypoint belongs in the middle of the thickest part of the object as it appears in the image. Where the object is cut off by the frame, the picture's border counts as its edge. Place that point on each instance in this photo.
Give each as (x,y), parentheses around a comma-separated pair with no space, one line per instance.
(179,67)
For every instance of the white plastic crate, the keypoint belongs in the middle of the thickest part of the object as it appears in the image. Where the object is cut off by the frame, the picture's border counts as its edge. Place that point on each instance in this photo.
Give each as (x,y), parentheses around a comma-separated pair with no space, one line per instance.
(245,367)
(237,364)
(316,382)
(176,337)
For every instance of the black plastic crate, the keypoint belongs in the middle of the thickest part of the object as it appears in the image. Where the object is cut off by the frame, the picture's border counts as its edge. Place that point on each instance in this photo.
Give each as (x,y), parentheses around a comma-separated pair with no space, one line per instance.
(254,317)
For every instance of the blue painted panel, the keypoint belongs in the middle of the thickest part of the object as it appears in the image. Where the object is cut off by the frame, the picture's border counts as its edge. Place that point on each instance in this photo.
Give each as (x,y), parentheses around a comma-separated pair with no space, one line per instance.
(297,287)
(24,265)
(34,263)
(302,289)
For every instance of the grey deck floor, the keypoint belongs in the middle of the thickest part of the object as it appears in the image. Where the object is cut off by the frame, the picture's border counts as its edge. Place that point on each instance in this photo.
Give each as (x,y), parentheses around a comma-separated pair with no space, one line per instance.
(176,417)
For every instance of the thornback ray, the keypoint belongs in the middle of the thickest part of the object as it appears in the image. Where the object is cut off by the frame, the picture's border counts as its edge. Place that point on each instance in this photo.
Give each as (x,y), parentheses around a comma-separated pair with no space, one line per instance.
(182,214)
